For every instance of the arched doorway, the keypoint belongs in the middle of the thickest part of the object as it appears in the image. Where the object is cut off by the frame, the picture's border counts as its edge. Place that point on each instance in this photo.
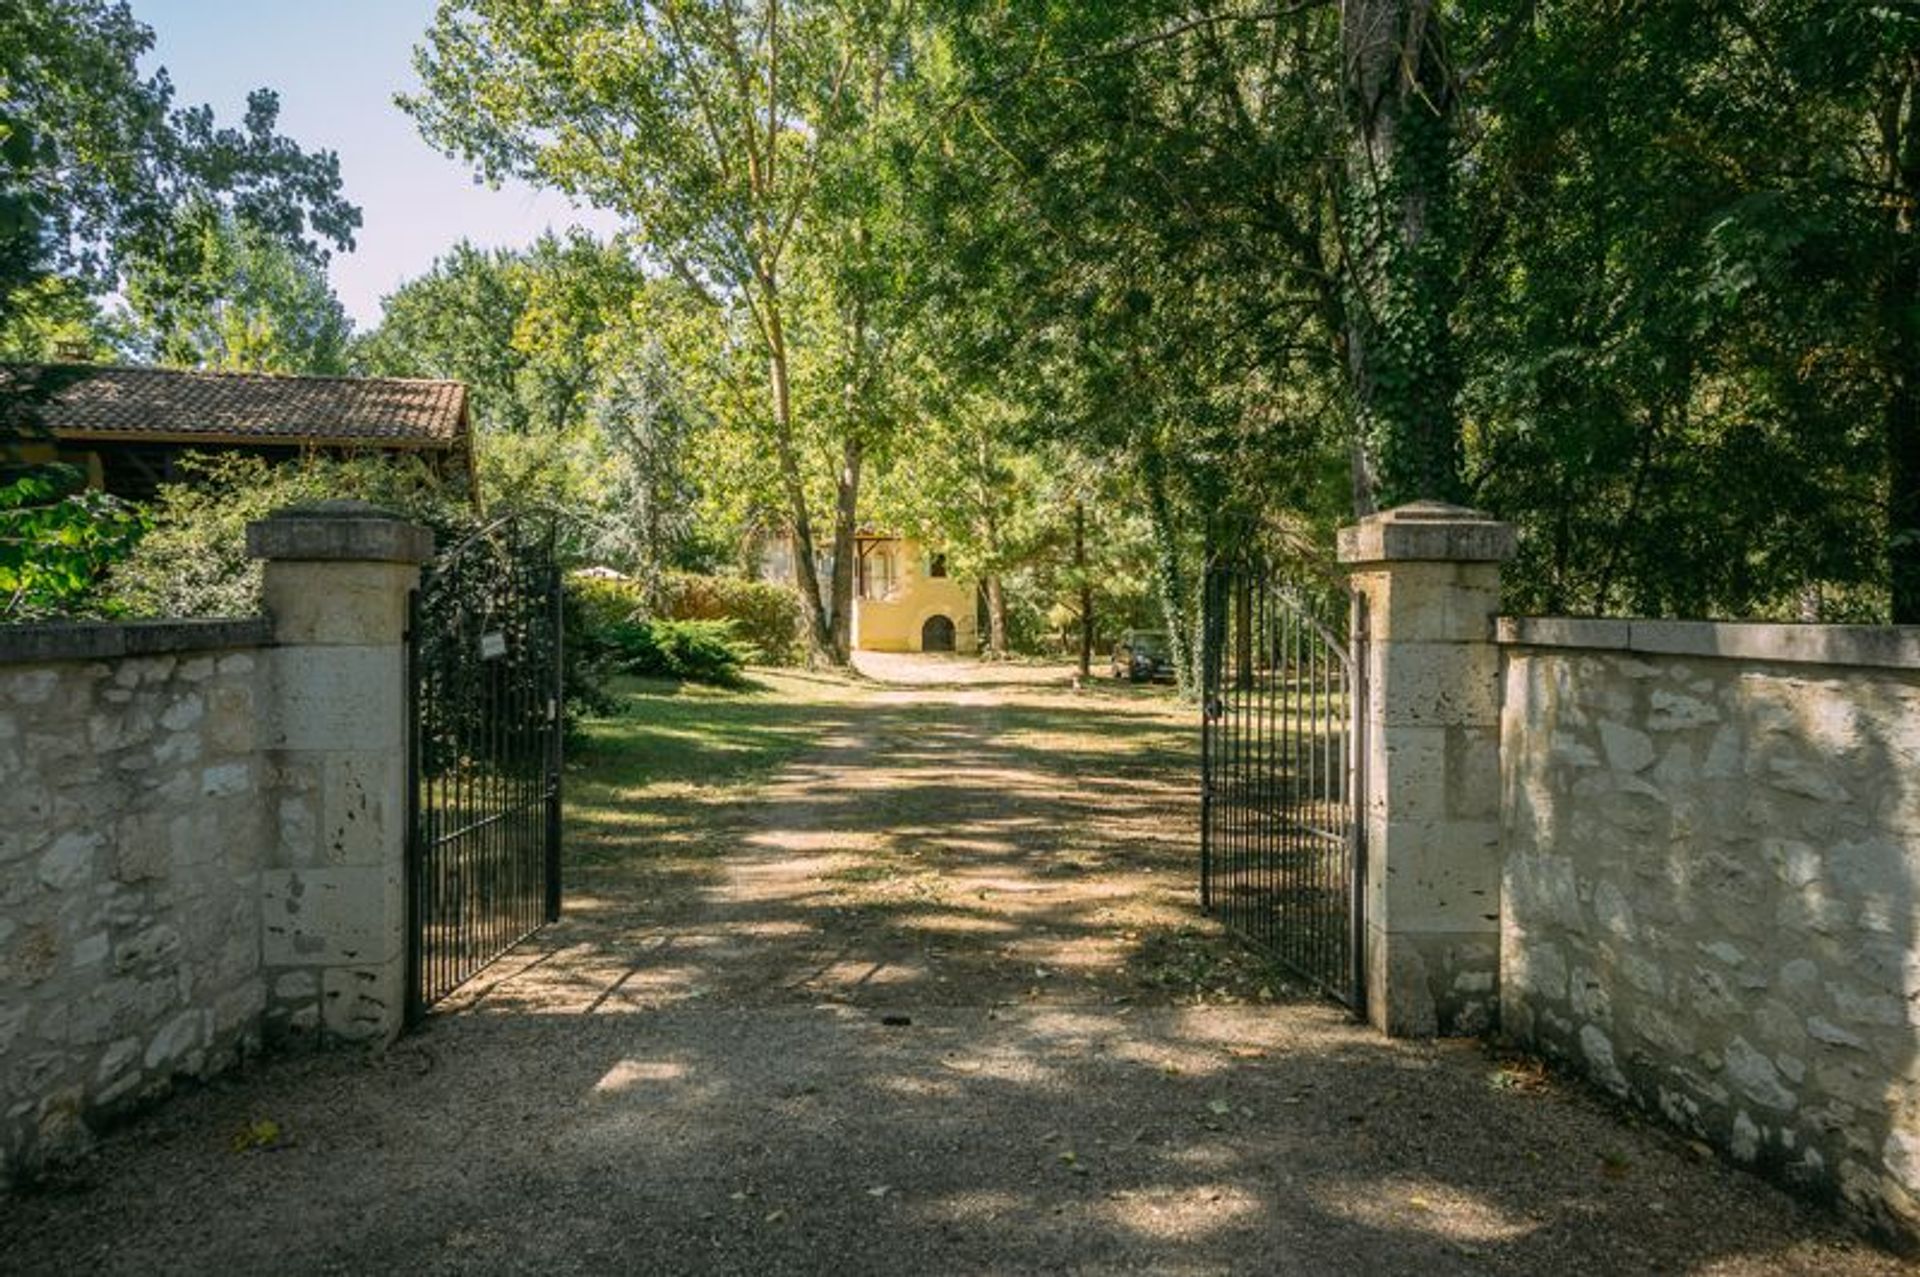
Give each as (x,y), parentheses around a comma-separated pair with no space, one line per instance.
(937,635)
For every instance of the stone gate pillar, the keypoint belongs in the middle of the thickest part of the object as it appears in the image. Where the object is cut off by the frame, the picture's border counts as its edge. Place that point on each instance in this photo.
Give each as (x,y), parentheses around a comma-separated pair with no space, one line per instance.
(1428,577)
(333,885)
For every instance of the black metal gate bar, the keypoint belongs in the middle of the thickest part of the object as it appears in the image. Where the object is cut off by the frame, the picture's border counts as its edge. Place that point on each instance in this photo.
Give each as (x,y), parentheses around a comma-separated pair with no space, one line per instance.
(1281,830)
(485,644)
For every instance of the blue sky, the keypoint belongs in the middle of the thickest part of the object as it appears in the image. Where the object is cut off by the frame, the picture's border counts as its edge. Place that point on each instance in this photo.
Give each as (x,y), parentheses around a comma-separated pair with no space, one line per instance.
(337,66)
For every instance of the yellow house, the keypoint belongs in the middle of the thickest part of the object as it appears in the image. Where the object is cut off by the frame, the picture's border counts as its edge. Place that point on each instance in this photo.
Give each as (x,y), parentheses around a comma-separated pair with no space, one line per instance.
(905,601)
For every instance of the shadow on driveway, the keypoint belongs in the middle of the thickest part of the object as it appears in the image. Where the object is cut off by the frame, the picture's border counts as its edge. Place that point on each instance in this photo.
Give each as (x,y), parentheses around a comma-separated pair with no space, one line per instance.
(932,998)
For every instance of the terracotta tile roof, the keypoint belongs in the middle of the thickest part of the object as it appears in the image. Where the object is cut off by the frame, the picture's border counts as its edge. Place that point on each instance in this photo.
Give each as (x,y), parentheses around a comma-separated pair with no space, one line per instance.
(164,404)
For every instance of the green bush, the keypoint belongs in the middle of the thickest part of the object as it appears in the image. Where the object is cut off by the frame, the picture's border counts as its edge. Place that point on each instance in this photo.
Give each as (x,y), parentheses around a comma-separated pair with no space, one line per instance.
(763,614)
(193,562)
(595,603)
(697,651)
(56,539)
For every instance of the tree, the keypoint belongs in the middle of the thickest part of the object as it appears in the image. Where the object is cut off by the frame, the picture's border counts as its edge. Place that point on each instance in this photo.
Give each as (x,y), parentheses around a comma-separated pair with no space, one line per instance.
(95,158)
(1130,214)
(457,321)
(579,399)
(95,162)
(712,128)
(226,295)
(1401,238)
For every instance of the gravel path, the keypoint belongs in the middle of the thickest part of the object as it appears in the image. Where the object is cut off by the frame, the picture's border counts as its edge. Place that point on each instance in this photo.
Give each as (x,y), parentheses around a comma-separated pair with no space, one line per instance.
(934,1000)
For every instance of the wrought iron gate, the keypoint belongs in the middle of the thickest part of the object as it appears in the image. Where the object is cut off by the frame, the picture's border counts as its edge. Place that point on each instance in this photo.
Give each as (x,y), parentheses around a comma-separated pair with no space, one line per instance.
(1281,857)
(484,649)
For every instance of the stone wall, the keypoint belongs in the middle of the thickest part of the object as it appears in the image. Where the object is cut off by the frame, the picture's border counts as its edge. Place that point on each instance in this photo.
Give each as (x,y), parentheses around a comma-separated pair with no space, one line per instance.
(203,832)
(1712,885)
(132,816)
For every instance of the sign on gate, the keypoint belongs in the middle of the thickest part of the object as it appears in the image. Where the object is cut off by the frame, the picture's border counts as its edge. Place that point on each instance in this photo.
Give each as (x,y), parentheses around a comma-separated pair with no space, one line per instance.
(1283,711)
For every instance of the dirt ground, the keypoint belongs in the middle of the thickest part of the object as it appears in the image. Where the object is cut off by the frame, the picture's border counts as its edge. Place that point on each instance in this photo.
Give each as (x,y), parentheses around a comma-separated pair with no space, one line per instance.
(933,997)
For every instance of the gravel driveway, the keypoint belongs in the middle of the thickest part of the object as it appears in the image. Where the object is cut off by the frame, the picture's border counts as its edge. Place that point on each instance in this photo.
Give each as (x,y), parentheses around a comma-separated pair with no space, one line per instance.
(934,999)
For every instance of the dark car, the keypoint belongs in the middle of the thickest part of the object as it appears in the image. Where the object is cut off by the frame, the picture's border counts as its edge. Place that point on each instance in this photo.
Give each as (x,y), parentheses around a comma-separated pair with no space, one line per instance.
(1142,655)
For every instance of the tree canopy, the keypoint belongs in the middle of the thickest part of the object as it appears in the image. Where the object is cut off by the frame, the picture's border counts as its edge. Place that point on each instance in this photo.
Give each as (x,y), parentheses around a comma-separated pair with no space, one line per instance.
(1079,292)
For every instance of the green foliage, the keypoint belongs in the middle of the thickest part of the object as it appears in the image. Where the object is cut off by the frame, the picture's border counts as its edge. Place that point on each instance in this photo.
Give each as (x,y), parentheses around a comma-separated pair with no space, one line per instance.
(54,317)
(697,651)
(578,409)
(598,602)
(227,295)
(56,538)
(746,150)
(194,560)
(1650,289)
(763,616)
(96,158)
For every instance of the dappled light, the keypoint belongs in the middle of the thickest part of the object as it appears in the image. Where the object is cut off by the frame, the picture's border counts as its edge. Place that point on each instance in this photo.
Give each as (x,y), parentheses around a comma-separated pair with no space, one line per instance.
(876,980)
(1419,1204)
(628,1075)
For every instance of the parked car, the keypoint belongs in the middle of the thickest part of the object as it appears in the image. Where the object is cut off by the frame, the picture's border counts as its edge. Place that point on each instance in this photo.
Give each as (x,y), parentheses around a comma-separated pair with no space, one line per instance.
(1142,656)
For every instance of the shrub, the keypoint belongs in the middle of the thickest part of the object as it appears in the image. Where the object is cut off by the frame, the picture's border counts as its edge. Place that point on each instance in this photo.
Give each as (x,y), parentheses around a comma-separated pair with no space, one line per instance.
(763,614)
(56,539)
(595,603)
(698,651)
(194,560)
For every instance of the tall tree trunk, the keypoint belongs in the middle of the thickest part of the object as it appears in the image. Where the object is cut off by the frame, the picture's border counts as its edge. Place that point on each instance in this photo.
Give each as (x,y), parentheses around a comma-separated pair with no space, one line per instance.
(819,622)
(1401,238)
(846,528)
(996,617)
(1169,573)
(1086,587)
(1900,322)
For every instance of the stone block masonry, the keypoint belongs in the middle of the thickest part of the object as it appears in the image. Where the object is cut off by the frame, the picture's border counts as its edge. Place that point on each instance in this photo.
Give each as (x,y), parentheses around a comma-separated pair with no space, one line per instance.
(203,833)
(1429,578)
(1711,895)
(131,820)
(333,890)
(1682,857)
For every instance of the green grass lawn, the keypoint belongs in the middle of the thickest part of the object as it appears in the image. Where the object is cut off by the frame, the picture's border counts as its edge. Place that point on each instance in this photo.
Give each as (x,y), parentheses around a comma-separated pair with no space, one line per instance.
(664,731)
(655,772)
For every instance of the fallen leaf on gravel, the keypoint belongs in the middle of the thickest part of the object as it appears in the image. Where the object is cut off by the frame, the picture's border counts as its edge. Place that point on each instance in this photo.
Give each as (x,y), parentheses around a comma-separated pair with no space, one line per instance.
(1419,1203)
(264,1133)
(879,1190)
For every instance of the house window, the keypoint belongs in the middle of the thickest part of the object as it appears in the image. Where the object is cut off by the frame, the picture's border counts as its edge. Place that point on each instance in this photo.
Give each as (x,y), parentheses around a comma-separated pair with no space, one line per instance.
(937,565)
(876,575)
